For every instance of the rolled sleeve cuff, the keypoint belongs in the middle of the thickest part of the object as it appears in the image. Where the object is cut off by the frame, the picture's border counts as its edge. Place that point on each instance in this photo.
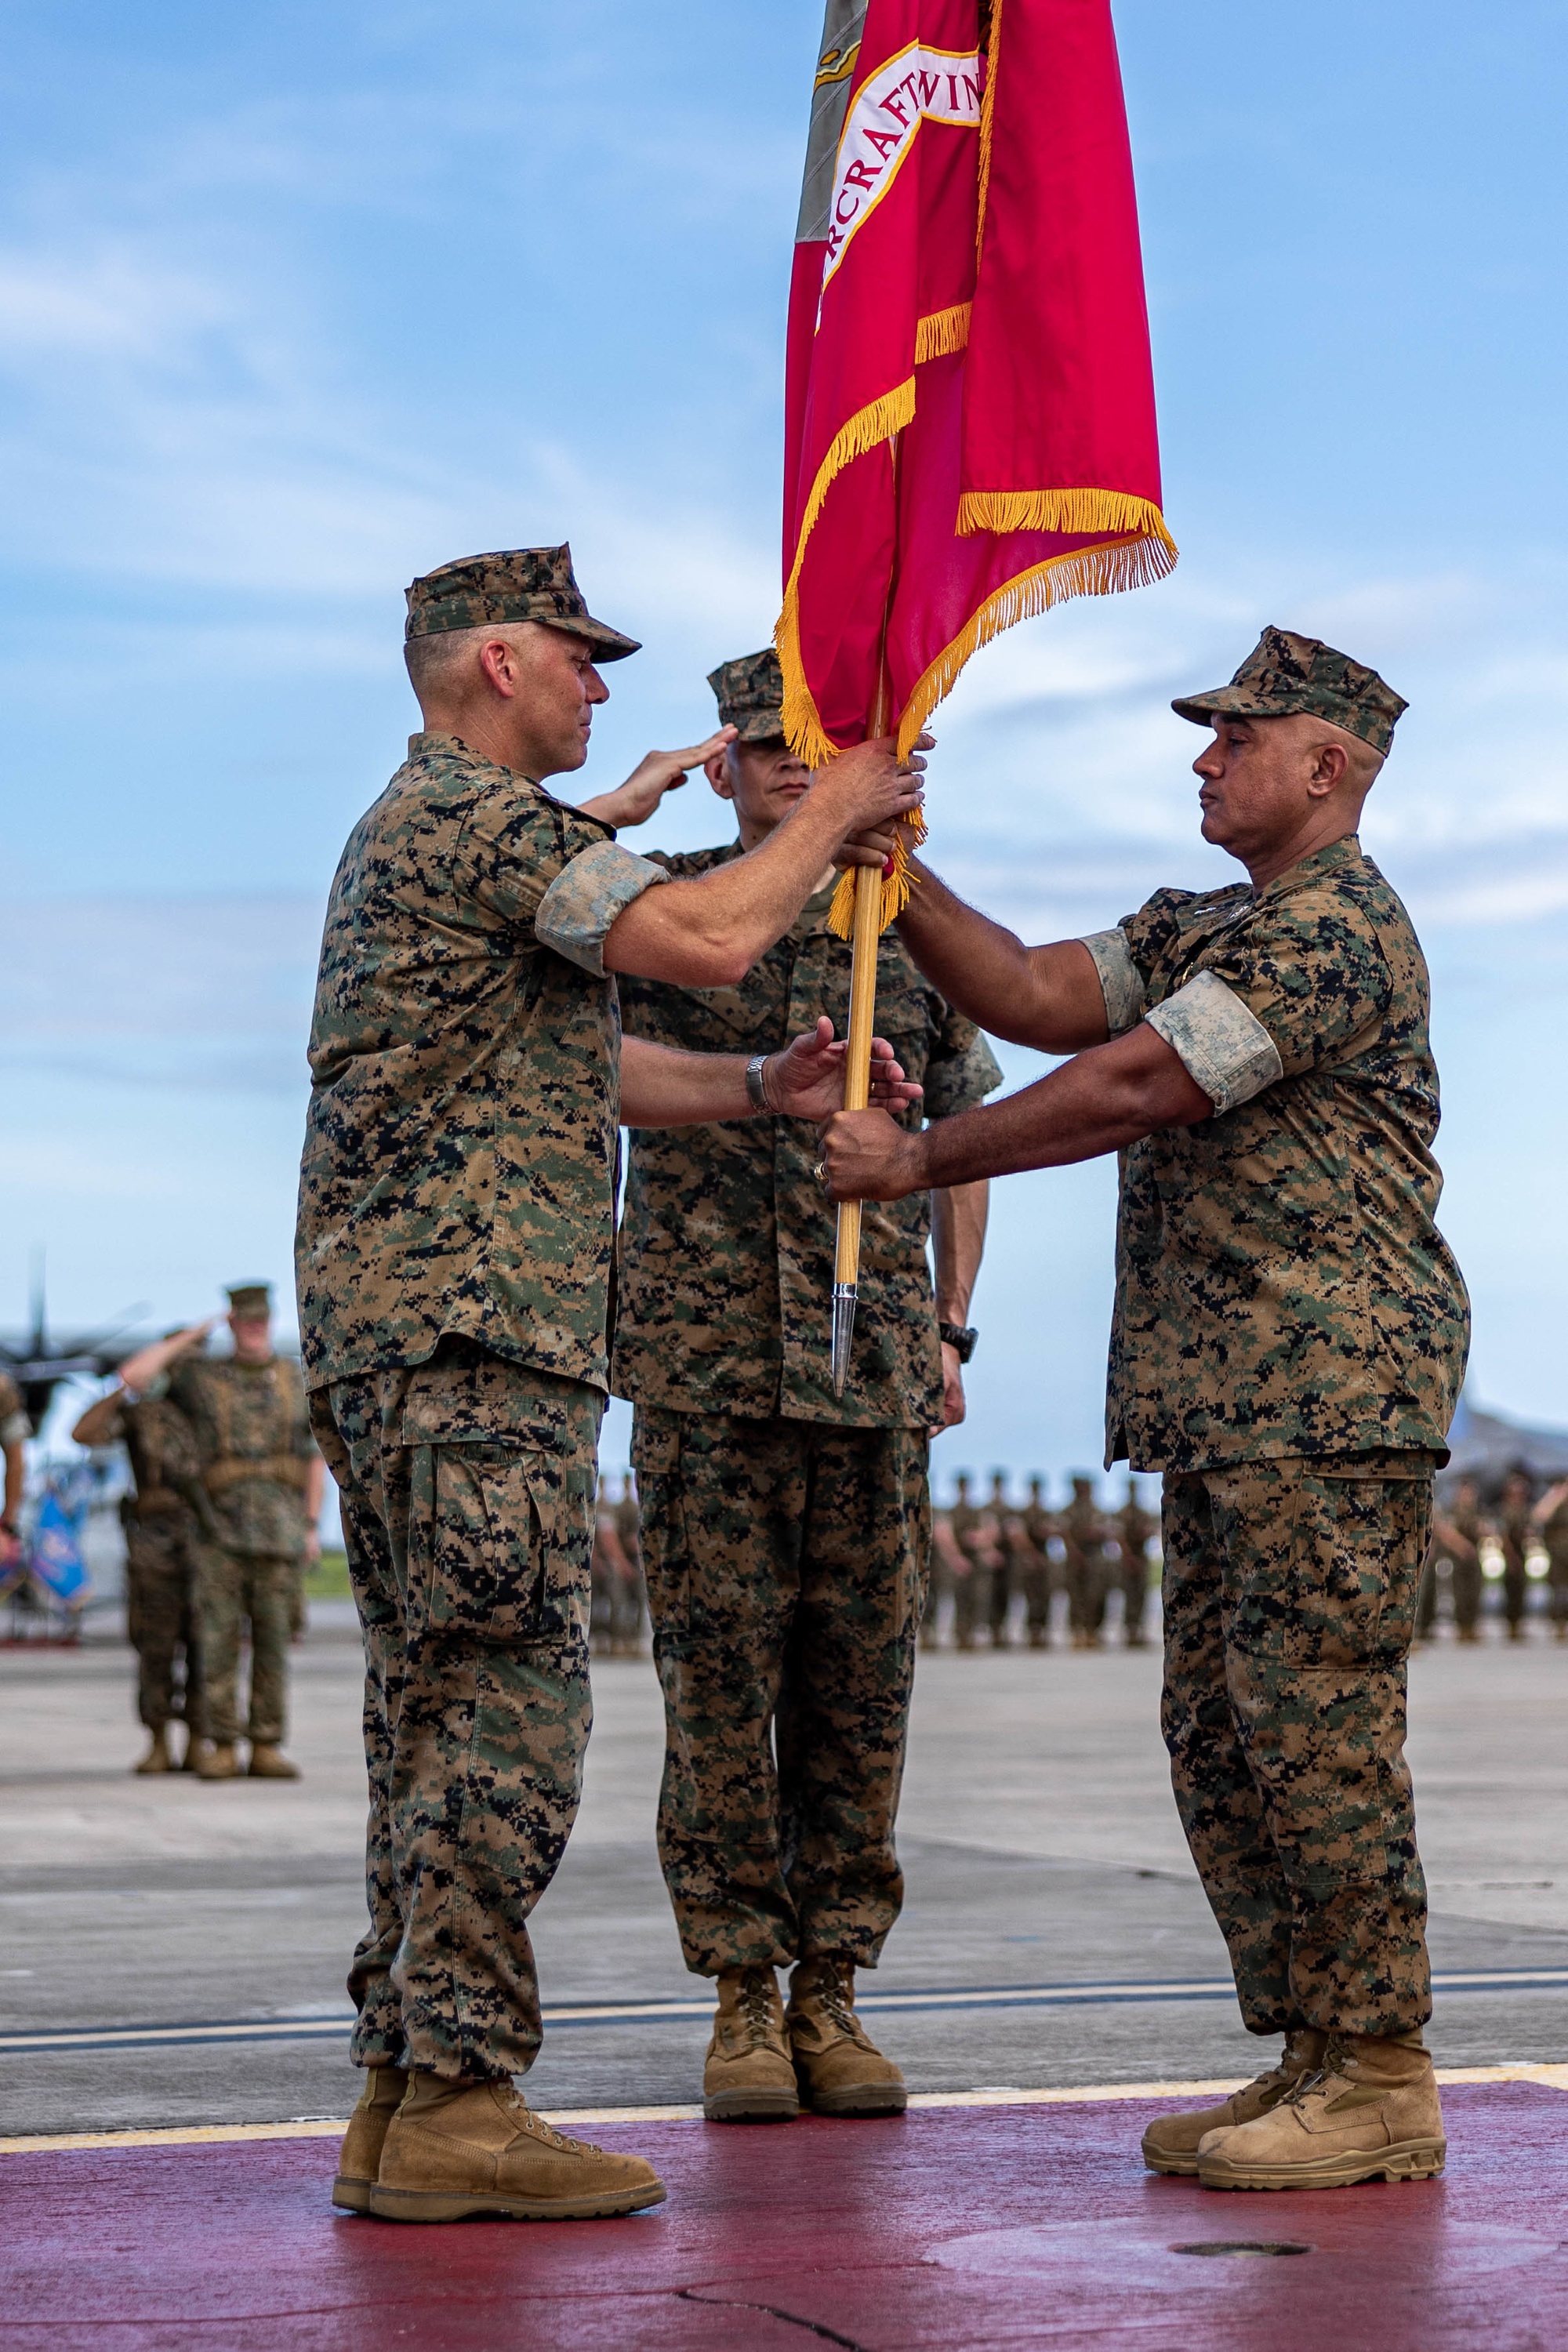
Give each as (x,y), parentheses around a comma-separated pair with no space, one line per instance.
(1122,983)
(1222,1044)
(578,910)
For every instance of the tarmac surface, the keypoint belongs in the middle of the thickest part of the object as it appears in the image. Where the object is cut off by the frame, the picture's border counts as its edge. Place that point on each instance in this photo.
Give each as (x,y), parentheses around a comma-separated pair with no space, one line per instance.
(171,1997)
(172,1953)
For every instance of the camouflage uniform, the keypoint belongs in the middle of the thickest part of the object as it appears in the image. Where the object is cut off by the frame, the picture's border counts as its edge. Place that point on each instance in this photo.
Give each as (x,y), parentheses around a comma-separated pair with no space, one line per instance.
(1514,1533)
(253,1446)
(940,1579)
(970,1528)
(1082,1529)
(14,1431)
(1038,1525)
(160,1558)
(1554,1536)
(617,1616)
(1468,1579)
(1135,1526)
(1289,1343)
(457,1213)
(630,1596)
(785,1535)
(1007,1576)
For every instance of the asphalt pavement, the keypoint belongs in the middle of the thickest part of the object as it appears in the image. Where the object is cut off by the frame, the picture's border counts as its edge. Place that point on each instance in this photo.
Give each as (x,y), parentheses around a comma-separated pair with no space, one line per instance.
(172,1953)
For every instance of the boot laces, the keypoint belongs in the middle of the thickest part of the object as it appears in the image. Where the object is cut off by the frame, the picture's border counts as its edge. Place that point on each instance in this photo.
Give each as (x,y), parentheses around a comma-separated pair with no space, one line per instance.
(1335,2060)
(833,1990)
(755,2005)
(537,2128)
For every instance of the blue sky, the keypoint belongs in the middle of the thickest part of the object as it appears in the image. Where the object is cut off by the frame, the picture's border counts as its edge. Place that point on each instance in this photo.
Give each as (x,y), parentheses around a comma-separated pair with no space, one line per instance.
(298,301)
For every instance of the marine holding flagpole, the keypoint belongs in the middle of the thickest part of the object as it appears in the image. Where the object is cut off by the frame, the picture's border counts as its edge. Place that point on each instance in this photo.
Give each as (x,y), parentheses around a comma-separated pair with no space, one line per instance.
(969,435)
(454,1246)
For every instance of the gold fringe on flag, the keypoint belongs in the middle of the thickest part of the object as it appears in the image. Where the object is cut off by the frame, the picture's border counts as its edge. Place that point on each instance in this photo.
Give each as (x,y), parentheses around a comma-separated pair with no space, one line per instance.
(1108,511)
(941,332)
(1102,570)
(898,888)
(866,429)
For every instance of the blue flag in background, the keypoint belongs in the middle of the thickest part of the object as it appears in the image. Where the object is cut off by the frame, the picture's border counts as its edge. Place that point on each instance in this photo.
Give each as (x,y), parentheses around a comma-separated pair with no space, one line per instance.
(56,1559)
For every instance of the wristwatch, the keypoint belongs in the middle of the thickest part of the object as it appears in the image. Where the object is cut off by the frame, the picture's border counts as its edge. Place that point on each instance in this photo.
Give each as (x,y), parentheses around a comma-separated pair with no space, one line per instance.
(756,1089)
(960,1337)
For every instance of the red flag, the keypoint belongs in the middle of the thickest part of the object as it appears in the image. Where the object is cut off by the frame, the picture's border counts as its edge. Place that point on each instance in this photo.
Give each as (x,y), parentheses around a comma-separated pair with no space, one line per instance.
(968,279)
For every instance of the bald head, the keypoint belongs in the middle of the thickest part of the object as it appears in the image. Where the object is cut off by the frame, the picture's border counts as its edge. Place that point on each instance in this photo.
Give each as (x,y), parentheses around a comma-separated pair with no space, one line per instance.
(517,692)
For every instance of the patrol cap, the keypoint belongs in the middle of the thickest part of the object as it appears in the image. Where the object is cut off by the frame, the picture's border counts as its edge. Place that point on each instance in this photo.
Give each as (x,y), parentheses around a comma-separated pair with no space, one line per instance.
(521,583)
(750,694)
(251,1301)
(1285,673)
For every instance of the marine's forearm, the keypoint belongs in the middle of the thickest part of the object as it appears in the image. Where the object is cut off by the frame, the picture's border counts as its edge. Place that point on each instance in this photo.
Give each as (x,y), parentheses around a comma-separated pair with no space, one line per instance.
(1097,1103)
(662,1086)
(96,1426)
(1049,997)
(958,1219)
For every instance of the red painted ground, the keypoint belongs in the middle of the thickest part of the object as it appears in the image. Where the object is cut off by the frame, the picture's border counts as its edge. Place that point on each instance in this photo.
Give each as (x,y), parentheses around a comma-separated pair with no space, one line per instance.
(955,2227)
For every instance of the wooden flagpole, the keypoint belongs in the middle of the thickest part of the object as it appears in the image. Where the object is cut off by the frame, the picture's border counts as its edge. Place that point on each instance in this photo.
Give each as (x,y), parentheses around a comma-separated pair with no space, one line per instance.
(862,1009)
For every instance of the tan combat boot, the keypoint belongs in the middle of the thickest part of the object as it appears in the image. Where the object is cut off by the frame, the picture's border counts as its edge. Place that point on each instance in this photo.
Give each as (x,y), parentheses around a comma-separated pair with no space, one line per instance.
(1171,2142)
(157,1759)
(359,2159)
(217,1761)
(748,2076)
(1372,2112)
(456,2149)
(269,1763)
(839,2068)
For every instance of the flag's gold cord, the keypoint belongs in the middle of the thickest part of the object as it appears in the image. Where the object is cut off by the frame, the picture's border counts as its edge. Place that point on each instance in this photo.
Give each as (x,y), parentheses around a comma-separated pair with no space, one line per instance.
(987,109)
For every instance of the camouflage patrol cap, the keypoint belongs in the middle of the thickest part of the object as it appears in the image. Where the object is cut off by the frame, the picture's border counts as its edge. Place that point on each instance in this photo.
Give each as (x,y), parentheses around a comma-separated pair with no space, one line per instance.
(521,583)
(750,691)
(1285,673)
(251,1301)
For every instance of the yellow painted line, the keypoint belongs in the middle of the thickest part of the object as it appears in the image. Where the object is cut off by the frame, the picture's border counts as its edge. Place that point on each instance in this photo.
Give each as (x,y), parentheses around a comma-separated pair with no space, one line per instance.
(1553,2076)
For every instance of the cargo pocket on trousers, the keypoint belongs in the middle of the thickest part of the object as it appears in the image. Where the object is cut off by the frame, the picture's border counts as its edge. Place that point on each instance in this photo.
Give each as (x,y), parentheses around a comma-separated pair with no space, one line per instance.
(486,1564)
(1355,1577)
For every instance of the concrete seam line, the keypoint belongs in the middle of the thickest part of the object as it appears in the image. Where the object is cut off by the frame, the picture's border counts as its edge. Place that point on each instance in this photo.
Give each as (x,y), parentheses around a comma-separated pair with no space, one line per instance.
(1553,2076)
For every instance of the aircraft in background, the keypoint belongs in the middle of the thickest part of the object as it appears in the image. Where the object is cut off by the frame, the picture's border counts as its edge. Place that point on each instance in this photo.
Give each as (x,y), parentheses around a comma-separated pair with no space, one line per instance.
(38,1364)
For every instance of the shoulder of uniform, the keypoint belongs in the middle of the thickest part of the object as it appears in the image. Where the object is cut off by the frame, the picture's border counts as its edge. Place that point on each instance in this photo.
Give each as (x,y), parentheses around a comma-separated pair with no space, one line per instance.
(682,865)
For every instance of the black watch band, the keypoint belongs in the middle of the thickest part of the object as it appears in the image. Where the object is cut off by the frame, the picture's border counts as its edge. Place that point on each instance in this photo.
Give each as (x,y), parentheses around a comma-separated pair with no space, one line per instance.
(960,1336)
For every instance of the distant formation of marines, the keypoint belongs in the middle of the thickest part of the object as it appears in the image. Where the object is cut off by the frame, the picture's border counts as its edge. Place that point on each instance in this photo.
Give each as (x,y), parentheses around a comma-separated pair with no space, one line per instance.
(987,1554)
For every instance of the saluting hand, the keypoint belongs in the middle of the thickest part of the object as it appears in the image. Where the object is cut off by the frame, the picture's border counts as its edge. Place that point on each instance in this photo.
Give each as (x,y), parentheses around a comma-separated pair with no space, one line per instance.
(807,1081)
(656,773)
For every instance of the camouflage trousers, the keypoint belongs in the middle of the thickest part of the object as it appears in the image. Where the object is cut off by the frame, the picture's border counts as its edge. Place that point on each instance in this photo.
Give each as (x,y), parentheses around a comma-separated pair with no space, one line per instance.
(1087,1588)
(971,1605)
(1289,1594)
(786,1565)
(468,1493)
(1034,1582)
(160,1614)
(1557,1576)
(1132,1576)
(231,1586)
